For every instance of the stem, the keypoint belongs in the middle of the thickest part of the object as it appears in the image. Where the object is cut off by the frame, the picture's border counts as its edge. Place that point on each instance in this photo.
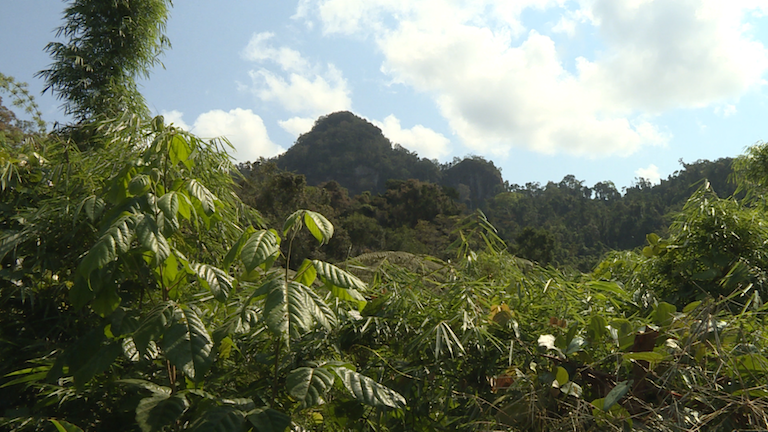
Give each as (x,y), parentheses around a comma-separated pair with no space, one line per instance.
(277,365)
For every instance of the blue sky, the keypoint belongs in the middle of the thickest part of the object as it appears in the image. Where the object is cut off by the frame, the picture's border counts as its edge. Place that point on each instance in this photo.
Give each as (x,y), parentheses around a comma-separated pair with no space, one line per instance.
(601,89)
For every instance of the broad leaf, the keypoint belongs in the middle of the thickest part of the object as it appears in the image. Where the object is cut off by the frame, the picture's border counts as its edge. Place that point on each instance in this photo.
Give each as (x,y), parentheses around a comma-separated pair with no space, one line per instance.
(116,240)
(320,227)
(93,206)
(234,252)
(269,420)
(152,240)
(261,247)
(178,150)
(169,204)
(616,393)
(203,195)
(291,309)
(188,345)
(369,391)
(220,419)
(156,412)
(152,326)
(308,385)
(147,385)
(343,285)
(84,370)
(214,279)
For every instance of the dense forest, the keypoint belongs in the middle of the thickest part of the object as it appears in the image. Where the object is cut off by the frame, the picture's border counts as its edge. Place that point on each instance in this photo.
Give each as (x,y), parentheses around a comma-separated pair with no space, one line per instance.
(148,284)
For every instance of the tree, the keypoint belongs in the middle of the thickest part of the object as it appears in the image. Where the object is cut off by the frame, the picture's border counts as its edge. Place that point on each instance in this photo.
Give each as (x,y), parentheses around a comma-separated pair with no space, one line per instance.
(109,45)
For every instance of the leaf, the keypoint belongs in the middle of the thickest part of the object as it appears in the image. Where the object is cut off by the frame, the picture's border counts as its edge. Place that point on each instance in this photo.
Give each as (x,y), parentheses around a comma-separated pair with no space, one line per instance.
(116,240)
(188,345)
(152,326)
(152,240)
(308,385)
(369,391)
(178,150)
(561,376)
(106,301)
(234,252)
(156,412)
(616,394)
(203,195)
(292,308)
(214,279)
(169,204)
(269,420)
(83,370)
(664,314)
(139,185)
(572,389)
(319,226)
(219,419)
(343,285)
(597,328)
(147,385)
(306,274)
(62,426)
(261,247)
(648,356)
(93,207)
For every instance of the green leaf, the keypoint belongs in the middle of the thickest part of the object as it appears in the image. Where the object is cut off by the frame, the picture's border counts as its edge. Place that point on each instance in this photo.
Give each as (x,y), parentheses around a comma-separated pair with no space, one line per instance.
(62,426)
(308,385)
(648,356)
(343,285)
(116,240)
(152,326)
(234,251)
(106,301)
(169,204)
(93,207)
(269,420)
(203,195)
(319,226)
(561,376)
(188,345)
(156,412)
(219,419)
(616,394)
(147,385)
(291,309)
(152,240)
(261,247)
(214,279)
(139,185)
(664,314)
(369,391)
(572,389)
(597,328)
(85,368)
(178,150)
(306,274)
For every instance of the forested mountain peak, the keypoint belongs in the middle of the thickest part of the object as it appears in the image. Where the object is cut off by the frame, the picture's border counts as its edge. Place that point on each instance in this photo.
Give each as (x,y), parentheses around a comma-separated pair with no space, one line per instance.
(350,150)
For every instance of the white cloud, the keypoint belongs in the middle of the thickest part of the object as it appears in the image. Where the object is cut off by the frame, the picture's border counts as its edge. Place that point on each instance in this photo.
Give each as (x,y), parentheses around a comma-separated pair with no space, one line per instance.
(244,129)
(424,141)
(297,126)
(175,118)
(299,86)
(501,86)
(651,173)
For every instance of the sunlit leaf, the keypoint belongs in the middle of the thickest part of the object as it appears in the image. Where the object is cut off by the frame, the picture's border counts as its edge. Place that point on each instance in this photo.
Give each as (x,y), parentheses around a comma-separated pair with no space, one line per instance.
(203,195)
(62,426)
(269,420)
(308,385)
(152,240)
(188,345)
(368,391)
(261,247)
(319,226)
(214,279)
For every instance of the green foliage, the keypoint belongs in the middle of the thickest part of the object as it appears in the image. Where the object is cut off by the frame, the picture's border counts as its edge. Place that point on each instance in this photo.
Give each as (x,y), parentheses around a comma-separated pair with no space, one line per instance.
(108,46)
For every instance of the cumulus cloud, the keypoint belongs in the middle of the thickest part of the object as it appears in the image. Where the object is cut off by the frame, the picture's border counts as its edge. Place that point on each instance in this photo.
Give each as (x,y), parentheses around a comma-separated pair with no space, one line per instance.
(651,173)
(175,118)
(244,130)
(502,86)
(297,126)
(726,110)
(297,86)
(423,140)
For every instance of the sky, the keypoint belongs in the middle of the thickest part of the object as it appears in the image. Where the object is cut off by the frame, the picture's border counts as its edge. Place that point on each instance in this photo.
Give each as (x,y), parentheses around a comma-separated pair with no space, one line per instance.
(605,90)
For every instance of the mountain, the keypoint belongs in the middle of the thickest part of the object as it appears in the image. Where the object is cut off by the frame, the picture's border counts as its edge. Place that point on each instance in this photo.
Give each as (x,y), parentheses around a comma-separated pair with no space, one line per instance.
(350,150)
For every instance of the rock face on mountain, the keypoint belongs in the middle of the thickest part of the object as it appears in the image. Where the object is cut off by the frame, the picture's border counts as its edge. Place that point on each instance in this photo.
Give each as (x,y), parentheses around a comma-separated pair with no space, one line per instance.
(352,151)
